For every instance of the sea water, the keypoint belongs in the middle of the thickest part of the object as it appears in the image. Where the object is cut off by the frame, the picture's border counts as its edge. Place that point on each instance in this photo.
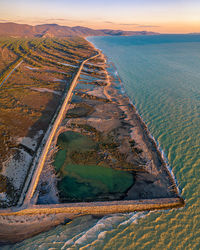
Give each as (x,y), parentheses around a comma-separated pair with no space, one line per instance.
(161,75)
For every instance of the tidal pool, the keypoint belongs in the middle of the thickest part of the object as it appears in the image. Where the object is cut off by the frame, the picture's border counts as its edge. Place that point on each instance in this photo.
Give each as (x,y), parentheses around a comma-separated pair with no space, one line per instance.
(81,179)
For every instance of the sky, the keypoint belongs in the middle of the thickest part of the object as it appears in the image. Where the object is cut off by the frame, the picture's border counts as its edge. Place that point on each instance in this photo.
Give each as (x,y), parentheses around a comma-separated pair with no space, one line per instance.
(164,16)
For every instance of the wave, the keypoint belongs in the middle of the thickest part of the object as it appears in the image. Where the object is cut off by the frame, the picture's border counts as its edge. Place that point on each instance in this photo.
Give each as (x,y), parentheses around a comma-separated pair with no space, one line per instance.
(164,157)
(100,229)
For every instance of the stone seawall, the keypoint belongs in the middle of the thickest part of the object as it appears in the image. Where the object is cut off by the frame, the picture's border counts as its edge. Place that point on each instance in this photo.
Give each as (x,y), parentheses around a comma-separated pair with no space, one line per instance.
(95,208)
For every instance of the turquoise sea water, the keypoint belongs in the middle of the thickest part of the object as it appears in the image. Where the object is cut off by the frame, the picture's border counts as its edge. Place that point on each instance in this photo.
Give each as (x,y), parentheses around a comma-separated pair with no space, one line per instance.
(161,75)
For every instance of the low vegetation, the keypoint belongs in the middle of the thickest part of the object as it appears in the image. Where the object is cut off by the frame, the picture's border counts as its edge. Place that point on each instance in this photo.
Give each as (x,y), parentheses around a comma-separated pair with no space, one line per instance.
(32,93)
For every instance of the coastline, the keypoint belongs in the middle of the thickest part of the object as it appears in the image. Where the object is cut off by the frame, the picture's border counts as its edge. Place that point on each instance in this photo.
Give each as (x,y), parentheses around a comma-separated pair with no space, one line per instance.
(149,135)
(72,210)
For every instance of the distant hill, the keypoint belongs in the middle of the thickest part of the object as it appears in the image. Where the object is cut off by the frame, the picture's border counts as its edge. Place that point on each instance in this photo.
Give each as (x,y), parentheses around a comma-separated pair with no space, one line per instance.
(55,30)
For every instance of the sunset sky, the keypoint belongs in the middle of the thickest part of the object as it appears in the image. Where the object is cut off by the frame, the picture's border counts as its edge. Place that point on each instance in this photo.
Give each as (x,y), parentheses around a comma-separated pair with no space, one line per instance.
(165,16)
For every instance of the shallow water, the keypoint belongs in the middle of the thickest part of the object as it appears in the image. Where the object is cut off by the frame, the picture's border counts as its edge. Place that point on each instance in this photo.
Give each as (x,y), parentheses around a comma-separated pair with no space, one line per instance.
(83,86)
(68,142)
(89,182)
(85,182)
(161,75)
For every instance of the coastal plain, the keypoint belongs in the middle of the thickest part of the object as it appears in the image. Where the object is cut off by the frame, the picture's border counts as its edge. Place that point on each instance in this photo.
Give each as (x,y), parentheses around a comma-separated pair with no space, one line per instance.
(29,99)
(101,151)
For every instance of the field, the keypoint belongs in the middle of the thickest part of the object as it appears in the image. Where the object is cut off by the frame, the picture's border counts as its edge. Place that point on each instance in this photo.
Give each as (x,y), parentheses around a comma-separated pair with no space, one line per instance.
(29,98)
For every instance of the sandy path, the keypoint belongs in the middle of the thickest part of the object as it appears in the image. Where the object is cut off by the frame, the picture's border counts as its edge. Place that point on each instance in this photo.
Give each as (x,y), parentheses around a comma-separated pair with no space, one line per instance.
(9,74)
(37,169)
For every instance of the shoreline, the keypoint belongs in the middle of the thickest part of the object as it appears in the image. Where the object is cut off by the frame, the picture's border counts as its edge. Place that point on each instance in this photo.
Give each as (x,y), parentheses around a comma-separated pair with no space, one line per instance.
(37,219)
(157,146)
(71,210)
(160,150)
(148,138)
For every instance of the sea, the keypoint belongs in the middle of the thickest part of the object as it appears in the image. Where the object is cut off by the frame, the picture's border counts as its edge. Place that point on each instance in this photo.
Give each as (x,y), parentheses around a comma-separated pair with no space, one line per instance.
(161,76)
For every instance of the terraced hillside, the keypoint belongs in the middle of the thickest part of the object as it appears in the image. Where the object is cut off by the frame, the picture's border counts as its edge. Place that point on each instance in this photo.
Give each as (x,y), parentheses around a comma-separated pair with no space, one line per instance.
(34,74)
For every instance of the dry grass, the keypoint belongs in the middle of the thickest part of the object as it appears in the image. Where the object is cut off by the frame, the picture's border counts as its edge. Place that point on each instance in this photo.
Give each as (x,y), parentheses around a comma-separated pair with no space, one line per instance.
(25,111)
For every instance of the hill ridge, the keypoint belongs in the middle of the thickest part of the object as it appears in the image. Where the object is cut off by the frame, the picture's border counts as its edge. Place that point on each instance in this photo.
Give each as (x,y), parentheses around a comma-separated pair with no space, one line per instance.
(46,30)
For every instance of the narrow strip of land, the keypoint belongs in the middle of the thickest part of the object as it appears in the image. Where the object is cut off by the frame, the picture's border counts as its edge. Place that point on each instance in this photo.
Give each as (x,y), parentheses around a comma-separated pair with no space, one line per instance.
(105,207)
(10,73)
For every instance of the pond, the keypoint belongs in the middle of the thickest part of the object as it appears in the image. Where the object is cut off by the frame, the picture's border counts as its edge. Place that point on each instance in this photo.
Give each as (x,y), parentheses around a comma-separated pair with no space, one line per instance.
(81,178)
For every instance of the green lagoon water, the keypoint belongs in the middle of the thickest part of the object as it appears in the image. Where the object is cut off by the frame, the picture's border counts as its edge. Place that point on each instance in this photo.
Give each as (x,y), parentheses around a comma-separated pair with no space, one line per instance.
(85,182)
(161,75)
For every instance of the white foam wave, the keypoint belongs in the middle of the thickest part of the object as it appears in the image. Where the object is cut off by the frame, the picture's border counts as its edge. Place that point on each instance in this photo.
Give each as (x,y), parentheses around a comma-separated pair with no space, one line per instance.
(156,142)
(166,161)
(133,218)
(98,231)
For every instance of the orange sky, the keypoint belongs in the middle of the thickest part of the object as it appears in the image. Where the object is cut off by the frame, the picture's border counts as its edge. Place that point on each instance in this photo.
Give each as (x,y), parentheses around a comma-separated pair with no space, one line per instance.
(164,16)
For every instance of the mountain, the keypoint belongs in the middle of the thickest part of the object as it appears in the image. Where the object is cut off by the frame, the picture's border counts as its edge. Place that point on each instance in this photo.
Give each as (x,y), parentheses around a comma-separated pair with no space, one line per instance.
(55,30)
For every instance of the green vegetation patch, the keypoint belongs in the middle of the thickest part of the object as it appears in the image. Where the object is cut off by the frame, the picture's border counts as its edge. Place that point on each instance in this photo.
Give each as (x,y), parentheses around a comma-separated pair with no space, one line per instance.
(27,98)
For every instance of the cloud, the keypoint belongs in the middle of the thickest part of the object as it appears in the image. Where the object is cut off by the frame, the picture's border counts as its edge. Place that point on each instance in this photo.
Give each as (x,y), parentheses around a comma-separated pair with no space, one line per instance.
(5,20)
(128,24)
(57,19)
(64,21)
(75,22)
(121,24)
(136,25)
(148,26)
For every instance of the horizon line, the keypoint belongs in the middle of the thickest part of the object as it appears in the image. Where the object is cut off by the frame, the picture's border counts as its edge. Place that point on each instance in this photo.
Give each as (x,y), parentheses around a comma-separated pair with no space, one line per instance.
(161,33)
